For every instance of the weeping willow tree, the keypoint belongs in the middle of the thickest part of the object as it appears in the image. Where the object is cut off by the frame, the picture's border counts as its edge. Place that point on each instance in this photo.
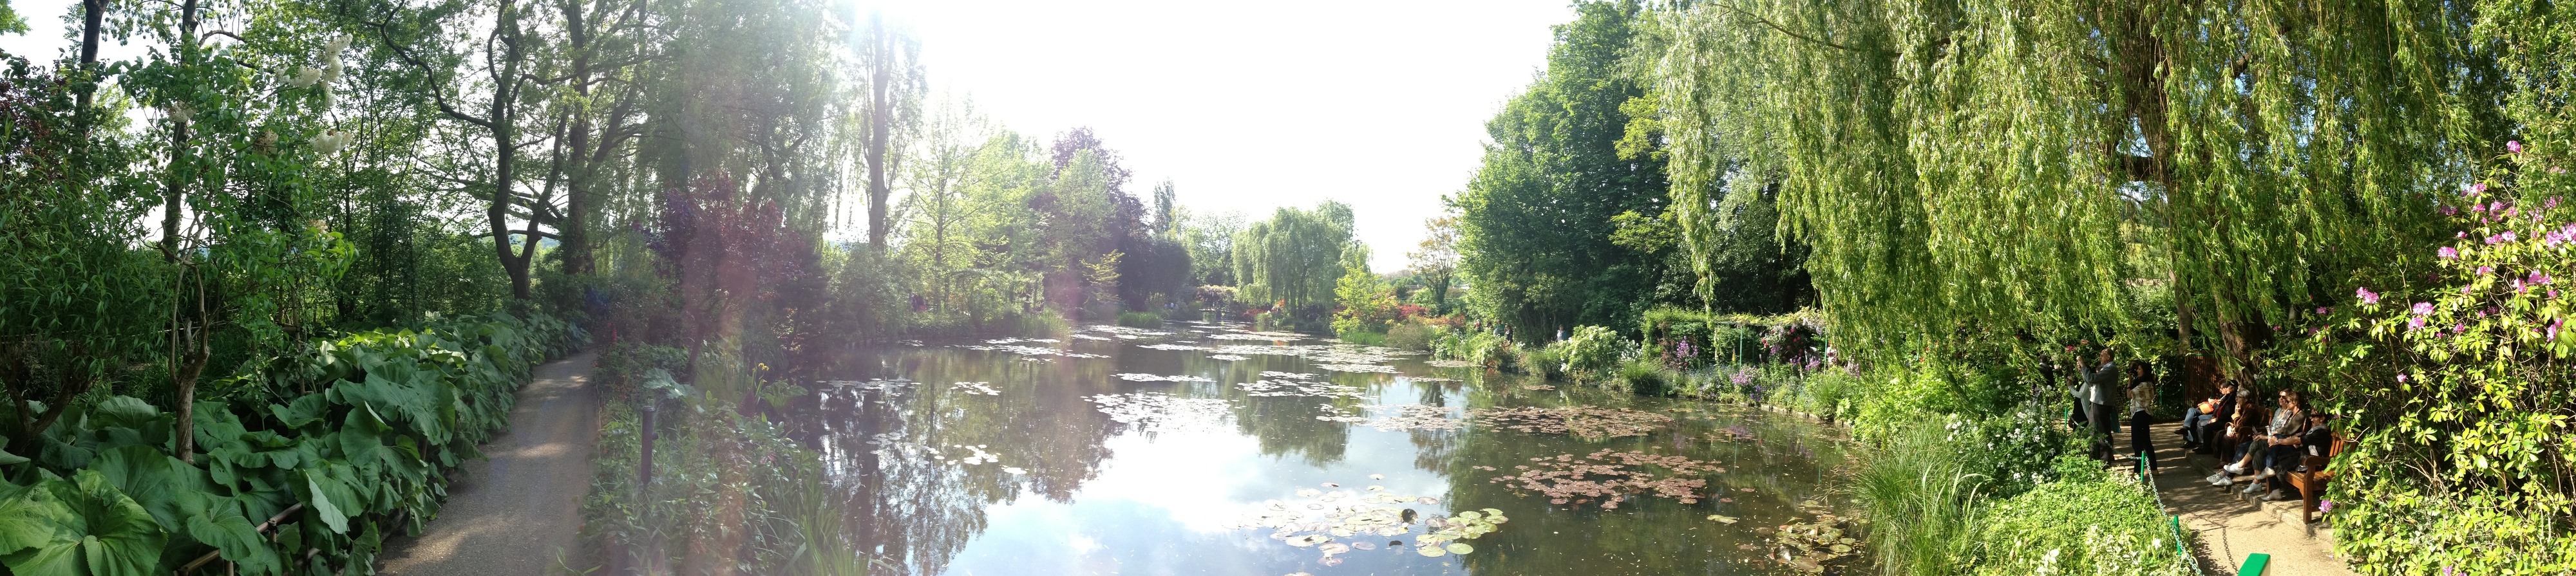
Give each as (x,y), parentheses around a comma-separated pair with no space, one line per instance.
(1295,257)
(2004,165)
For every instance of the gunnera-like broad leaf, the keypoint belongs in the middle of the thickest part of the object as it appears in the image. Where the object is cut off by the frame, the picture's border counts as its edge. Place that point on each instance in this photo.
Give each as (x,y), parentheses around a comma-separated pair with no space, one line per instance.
(109,534)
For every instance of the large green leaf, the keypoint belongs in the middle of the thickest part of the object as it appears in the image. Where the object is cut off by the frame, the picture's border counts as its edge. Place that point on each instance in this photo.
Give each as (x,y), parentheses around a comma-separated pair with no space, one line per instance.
(113,536)
(330,499)
(126,411)
(219,522)
(153,479)
(32,517)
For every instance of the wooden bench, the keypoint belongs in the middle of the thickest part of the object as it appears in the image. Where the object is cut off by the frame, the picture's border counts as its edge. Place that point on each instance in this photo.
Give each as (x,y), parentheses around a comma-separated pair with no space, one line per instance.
(2312,483)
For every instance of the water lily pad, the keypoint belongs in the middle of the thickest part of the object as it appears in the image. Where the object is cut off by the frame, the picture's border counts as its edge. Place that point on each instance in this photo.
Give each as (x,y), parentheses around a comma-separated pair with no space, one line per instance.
(1723,519)
(1457,547)
(1431,551)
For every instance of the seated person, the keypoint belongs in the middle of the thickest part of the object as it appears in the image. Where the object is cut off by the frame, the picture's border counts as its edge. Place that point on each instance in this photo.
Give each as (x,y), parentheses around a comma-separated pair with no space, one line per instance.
(2236,440)
(2287,422)
(2196,421)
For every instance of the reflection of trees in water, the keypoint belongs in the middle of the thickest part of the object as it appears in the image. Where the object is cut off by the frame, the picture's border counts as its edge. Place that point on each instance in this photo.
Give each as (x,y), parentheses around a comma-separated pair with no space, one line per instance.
(1431,448)
(920,511)
(1280,425)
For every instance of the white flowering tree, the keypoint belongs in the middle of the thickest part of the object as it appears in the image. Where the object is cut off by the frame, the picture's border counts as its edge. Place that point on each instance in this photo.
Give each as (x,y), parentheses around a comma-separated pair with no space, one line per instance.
(243,123)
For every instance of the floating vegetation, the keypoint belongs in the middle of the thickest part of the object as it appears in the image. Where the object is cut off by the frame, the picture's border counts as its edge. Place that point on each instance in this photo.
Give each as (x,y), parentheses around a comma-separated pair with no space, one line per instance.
(1273,336)
(1124,331)
(1339,522)
(1585,421)
(1226,357)
(1171,347)
(1132,377)
(1807,546)
(1252,350)
(1450,363)
(1030,352)
(1093,338)
(887,390)
(1358,368)
(982,388)
(1400,417)
(1156,411)
(1429,379)
(1298,388)
(1609,477)
(1335,414)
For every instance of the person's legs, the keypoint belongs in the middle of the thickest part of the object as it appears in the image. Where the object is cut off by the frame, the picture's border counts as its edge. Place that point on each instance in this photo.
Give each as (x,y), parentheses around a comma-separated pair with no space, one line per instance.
(2105,426)
(2139,443)
(2192,420)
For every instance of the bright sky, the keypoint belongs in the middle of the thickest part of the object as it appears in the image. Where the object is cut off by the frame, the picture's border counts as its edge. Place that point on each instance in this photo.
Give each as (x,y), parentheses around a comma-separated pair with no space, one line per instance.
(1245,106)
(1249,106)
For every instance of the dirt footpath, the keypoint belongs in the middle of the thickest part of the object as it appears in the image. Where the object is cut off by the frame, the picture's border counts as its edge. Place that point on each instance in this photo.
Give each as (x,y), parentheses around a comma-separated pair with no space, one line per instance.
(514,512)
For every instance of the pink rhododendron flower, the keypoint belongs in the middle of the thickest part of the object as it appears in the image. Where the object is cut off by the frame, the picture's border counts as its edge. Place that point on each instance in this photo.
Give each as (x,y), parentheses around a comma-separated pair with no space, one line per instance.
(2485,270)
(2514,146)
(2423,308)
(2416,323)
(2508,236)
(2323,310)
(2366,296)
(2447,253)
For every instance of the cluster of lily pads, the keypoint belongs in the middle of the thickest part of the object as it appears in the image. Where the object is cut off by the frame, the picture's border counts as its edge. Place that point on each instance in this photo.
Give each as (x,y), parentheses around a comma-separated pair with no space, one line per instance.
(887,390)
(1033,353)
(1297,385)
(1264,336)
(980,388)
(1609,477)
(1338,522)
(1171,347)
(1450,363)
(1226,357)
(1155,378)
(1159,411)
(1585,421)
(1372,368)
(1806,546)
(1400,417)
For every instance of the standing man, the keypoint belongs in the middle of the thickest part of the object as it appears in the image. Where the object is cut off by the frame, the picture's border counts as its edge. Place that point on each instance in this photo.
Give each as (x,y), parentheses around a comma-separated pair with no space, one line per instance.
(2099,382)
(2142,398)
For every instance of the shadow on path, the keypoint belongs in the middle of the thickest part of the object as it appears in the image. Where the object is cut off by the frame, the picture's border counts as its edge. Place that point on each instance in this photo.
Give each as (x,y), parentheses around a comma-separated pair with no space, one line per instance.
(514,511)
(2230,528)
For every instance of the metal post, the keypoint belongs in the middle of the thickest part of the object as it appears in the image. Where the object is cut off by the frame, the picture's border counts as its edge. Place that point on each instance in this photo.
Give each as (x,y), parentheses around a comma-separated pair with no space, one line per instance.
(644,472)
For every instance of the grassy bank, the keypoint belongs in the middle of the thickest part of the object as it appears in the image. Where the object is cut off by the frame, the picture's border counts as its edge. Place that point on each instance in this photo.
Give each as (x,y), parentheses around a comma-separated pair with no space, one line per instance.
(728,487)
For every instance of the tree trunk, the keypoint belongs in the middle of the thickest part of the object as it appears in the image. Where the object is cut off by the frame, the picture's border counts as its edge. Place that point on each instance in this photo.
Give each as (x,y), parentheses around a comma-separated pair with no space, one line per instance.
(879,120)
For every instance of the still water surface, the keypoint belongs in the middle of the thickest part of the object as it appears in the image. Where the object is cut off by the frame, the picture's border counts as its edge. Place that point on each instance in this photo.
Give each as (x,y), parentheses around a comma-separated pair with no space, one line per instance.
(1098,454)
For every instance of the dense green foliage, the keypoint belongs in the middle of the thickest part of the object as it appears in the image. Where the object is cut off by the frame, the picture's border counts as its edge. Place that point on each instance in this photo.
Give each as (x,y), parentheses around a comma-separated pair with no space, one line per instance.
(344,444)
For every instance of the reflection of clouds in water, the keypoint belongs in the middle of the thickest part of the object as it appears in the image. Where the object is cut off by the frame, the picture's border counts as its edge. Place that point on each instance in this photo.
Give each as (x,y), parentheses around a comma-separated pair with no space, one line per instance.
(1183,473)
(1082,544)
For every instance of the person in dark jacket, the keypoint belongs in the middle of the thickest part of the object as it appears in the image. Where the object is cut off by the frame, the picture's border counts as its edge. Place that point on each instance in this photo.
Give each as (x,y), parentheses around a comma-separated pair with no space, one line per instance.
(2197,423)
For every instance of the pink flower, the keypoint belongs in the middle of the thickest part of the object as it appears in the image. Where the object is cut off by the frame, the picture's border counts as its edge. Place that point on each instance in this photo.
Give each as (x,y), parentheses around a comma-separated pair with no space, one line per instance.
(2450,210)
(2553,328)
(2323,310)
(2553,203)
(2423,308)
(2508,236)
(2478,188)
(2476,208)
(2401,378)
(2366,296)
(2447,253)
(2485,270)
(2416,323)
(2513,145)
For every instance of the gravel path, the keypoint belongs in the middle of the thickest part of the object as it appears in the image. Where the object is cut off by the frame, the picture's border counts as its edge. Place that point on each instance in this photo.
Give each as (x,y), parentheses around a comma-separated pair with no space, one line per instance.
(514,512)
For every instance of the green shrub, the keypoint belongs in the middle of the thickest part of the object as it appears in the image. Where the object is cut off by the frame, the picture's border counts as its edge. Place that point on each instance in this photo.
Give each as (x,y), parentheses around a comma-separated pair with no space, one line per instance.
(721,482)
(1410,336)
(1147,319)
(1645,377)
(361,430)
(2102,524)
(1593,353)
(621,369)
(1491,351)
(1544,362)
(1363,338)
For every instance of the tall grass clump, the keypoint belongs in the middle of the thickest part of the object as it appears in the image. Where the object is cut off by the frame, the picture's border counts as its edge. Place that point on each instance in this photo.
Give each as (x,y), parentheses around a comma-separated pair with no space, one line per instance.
(1645,377)
(1410,336)
(1924,506)
(1140,319)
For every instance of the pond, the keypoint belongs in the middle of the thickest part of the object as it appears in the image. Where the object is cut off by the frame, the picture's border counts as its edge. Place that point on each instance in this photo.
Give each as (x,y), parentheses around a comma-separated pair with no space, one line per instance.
(1209,449)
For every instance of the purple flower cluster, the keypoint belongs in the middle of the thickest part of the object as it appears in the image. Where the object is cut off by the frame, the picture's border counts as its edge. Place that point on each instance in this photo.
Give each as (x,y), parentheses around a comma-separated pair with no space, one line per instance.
(2563,235)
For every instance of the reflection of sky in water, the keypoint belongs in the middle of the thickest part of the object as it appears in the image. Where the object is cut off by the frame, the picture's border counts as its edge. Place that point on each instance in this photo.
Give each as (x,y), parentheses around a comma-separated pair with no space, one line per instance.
(1160,497)
(1164,506)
